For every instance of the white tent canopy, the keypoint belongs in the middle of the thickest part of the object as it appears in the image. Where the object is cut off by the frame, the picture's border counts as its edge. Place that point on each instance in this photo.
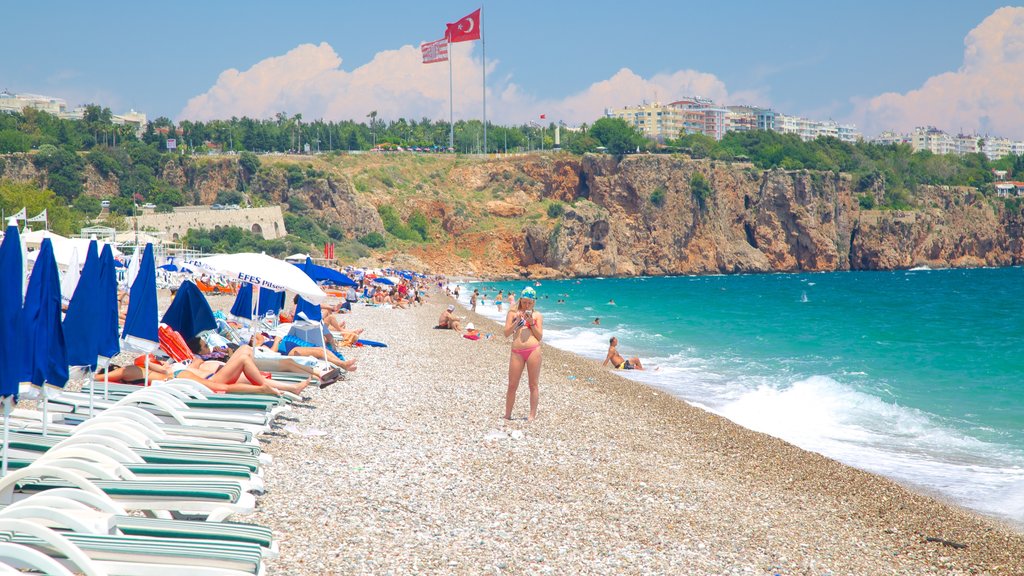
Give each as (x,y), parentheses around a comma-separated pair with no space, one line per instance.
(296,257)
(260,270)
(65,248)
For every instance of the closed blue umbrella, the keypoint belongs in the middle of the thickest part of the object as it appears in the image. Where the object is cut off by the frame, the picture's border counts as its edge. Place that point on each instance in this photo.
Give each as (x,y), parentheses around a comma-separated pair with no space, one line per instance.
(83,314)
(41,326)
(270,301)
(41,322)
(11,294)
(189,313)
(141,323)
(11,282)
(108,344)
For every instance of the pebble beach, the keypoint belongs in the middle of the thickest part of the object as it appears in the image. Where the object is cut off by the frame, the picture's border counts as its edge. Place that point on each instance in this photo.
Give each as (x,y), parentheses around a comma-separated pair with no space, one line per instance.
(407,467)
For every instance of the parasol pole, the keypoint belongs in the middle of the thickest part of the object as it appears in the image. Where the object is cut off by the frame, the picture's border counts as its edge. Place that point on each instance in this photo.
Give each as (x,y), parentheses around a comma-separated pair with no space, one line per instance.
(7,433)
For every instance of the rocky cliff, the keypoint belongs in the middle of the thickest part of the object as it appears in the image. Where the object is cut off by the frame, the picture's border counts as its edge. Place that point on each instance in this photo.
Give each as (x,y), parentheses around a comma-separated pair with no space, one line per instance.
(563,215)
(641,215)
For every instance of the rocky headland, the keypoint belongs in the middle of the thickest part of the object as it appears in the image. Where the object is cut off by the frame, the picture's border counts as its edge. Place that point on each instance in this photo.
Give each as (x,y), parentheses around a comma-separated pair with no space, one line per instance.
(550,215)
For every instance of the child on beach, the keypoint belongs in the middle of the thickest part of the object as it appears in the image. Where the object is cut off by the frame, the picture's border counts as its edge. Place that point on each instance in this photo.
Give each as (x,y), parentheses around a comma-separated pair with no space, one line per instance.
(526,327)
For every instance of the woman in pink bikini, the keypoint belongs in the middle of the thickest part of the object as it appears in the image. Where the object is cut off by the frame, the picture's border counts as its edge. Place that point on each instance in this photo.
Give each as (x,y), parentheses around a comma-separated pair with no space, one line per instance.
(526,328)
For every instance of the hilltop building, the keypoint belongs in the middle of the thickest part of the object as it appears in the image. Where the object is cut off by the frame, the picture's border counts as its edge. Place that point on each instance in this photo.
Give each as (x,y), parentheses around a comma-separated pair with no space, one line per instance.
(16,103)
(936,141)
(696,115)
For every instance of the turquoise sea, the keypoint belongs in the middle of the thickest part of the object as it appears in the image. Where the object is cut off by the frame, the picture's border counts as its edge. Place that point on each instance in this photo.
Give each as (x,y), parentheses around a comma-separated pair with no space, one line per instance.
(915,375)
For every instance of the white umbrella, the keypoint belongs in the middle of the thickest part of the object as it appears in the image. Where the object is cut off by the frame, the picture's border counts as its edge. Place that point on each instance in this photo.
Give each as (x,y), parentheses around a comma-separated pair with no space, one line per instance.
(70,280)
(133,266)
(261,270)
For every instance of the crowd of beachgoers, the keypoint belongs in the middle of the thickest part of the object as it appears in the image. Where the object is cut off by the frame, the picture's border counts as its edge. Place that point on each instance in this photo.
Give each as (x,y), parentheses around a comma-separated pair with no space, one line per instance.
(276,425)
(144,458)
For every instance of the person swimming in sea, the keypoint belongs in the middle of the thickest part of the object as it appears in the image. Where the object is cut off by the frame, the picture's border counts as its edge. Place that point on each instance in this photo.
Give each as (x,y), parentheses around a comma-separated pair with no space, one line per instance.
(617,360)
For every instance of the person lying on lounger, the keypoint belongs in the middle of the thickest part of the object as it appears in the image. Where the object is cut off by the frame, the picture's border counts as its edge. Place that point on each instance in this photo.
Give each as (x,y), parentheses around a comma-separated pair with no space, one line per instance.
(238,375)
(292,346)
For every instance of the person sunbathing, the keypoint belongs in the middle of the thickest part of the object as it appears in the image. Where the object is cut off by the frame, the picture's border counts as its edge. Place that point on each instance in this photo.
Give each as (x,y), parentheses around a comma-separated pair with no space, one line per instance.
(239,375)
(448,320)
(294,346)
(263,341)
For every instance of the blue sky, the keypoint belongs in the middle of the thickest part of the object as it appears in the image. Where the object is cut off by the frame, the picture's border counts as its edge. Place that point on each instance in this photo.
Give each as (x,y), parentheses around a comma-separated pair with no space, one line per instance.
(817,59)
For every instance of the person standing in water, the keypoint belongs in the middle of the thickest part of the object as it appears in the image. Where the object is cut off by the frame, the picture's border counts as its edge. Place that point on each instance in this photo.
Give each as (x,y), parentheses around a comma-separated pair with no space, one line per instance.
(526,327)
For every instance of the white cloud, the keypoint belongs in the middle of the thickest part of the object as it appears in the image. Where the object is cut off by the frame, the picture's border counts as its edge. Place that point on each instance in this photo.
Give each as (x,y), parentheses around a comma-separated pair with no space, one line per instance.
(309,80)
(986,95)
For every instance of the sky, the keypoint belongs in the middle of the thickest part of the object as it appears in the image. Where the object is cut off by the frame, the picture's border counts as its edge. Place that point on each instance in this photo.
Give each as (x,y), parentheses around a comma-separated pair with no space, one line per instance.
(879,64)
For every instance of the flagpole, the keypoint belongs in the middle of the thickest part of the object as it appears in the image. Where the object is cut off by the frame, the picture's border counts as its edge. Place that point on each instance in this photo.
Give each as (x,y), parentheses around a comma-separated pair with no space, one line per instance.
(483,48)
(451,106)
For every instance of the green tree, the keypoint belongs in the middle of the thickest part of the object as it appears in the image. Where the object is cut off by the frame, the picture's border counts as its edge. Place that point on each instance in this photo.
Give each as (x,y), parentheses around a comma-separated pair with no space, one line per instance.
(372,240)
(17,195)
(250,164)
(229,197)
(14,141)
(616,135)
(63,170)
(418,223)
(700,189)
(87,206)
(658,196)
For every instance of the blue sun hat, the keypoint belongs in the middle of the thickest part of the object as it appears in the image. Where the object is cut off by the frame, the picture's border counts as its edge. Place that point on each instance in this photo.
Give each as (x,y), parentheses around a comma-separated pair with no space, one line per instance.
(528,292)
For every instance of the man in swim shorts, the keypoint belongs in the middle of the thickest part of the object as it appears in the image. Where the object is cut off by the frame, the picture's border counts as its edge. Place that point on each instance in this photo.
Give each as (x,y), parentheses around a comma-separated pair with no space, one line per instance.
(617,360)
(448,319)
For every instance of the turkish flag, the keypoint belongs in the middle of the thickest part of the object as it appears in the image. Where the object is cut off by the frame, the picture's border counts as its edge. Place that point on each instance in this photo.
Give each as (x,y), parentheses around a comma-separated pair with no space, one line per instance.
(543,116)
(466,29)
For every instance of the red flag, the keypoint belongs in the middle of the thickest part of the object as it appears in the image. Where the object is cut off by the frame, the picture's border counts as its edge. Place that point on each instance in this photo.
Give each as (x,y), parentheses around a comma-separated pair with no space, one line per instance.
(436,51)
(543,116)
(466,29)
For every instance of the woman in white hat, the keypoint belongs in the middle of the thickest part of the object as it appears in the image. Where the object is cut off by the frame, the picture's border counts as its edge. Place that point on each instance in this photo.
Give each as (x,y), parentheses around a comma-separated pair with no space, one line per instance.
(526,327)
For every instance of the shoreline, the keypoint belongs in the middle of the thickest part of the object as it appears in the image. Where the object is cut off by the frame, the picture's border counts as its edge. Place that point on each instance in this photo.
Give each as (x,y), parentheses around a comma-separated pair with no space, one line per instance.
(408,467)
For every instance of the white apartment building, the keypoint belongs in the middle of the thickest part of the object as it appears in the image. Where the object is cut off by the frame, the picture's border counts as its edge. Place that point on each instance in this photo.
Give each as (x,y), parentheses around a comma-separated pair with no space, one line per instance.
(10,102)
(695,115)
(938,142)
(654,120)
(932,139)
(996,148)
(966,144)
(808,129)
(890,137)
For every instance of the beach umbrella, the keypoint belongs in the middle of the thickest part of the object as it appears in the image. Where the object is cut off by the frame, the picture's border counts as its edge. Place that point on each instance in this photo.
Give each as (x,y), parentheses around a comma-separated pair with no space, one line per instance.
(43,332)
(108,345)
(141,323)
(168,268)
(384,281)
(261,270)
(270,301)
(69,281)
(11,279)
(83,321)
(83,314)
(312,311)
(324,274)
(189,312)
(133,267)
